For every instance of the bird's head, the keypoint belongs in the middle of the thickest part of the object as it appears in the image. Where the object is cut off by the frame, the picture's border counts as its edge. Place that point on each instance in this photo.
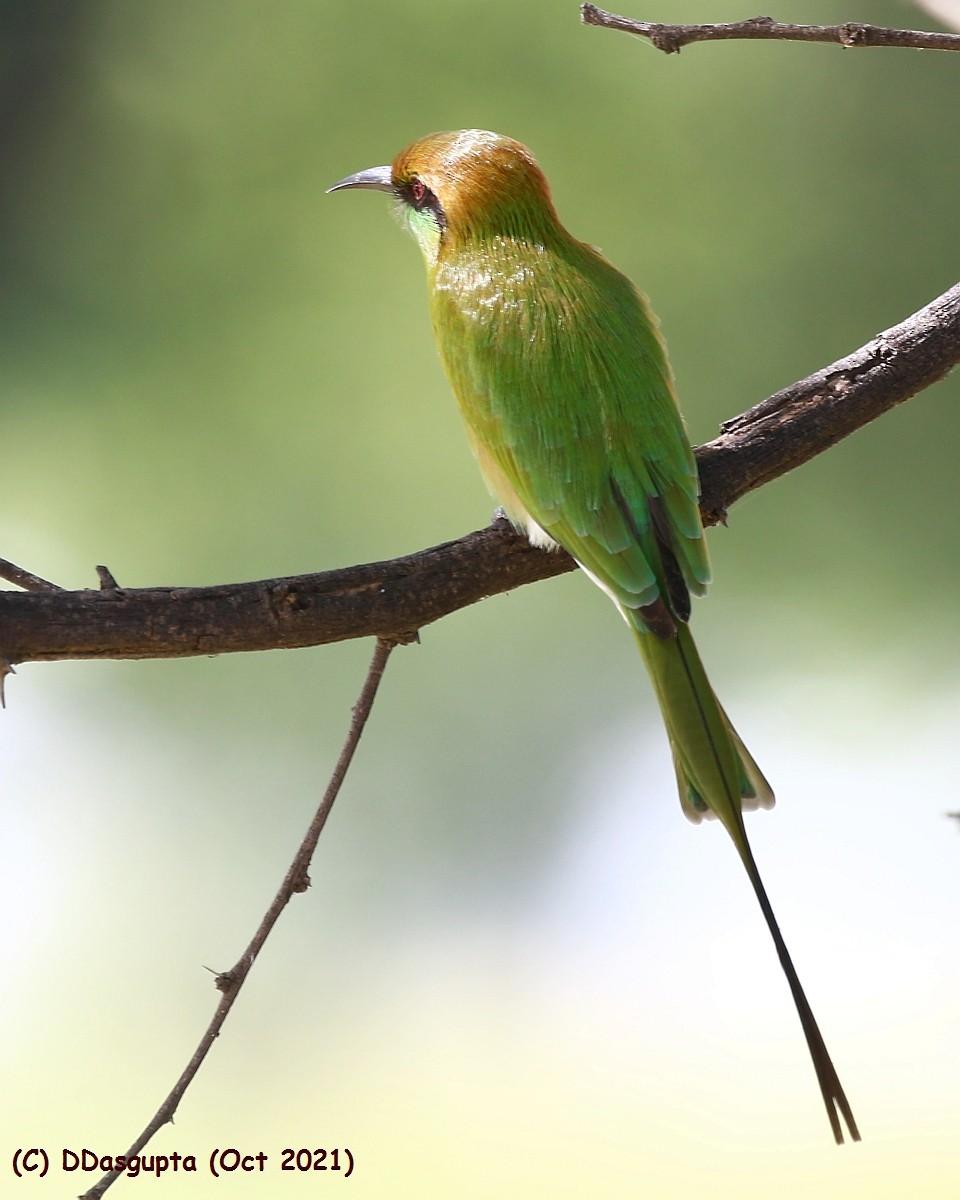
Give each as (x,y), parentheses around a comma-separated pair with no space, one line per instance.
(455,187)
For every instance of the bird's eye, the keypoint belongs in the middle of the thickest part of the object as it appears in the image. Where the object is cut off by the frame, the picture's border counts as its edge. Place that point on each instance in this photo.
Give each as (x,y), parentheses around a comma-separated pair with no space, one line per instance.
(419,197)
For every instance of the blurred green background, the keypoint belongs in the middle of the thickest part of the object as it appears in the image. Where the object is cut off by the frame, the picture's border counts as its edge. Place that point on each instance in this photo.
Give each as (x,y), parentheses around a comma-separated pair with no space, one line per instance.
(519,971)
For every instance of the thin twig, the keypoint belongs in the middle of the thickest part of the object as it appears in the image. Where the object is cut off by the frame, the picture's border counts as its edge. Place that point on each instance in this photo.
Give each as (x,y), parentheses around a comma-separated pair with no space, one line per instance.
(296,880)
(25,579)
(389,599)
(672,38)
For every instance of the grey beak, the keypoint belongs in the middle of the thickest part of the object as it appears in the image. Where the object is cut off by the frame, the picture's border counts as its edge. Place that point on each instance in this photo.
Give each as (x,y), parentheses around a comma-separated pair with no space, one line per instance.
(377,178)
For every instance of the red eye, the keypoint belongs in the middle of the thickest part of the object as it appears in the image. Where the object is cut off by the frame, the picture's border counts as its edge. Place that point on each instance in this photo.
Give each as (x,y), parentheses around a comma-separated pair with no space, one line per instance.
(419,197)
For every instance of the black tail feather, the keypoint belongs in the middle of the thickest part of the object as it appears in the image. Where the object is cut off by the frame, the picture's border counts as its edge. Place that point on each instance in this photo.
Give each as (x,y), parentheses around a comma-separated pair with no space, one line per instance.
(834,1097)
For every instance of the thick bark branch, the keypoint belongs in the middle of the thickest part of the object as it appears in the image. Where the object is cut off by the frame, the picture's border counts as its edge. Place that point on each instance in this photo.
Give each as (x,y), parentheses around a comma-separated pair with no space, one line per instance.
(672,38)
(795,424)
(393,599)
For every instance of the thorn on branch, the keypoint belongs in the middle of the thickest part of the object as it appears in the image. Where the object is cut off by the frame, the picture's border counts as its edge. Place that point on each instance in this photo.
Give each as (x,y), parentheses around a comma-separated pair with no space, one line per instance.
(851,33)
(107,581)
(6,668)
(404,639)
(664,37)
(226,981)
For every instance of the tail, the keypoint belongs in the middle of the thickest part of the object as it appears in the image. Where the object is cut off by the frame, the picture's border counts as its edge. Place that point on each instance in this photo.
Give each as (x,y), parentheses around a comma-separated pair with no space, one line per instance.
(717,777)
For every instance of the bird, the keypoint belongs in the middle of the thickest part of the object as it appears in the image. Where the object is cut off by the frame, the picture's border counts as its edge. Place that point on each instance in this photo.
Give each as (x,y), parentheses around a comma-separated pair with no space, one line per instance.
(568,399)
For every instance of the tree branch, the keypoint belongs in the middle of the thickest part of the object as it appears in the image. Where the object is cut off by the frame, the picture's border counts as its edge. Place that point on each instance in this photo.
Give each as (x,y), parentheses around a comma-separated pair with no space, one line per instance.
(672,38)
(296,880)
(795,424)
(25,579)
(393,599)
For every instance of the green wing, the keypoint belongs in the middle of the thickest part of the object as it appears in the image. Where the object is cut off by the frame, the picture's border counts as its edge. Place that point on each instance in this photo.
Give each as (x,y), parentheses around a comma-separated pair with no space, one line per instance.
(567,394)
(566,391)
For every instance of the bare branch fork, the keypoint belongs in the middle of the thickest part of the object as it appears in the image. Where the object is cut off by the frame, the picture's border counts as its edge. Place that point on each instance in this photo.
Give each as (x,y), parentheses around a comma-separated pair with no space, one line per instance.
(393,599)
(296,880)
(672,38)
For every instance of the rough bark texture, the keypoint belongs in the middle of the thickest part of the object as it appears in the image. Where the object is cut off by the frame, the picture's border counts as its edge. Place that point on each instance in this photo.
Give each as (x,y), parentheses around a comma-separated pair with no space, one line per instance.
(393,599)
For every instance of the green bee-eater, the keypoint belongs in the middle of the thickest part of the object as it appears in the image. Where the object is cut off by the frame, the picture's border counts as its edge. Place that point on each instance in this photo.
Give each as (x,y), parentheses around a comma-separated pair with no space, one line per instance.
(568,400)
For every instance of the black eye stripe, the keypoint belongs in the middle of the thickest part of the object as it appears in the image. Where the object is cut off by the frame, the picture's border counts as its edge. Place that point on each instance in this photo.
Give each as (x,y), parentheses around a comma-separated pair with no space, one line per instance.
(416,193)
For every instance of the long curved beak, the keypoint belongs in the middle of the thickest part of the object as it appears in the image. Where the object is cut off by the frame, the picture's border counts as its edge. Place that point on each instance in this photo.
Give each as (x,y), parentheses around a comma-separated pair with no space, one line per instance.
(377,178)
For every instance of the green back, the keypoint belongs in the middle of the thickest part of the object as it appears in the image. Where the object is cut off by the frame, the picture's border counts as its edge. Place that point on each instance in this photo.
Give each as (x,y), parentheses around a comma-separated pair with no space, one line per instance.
(571,398)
